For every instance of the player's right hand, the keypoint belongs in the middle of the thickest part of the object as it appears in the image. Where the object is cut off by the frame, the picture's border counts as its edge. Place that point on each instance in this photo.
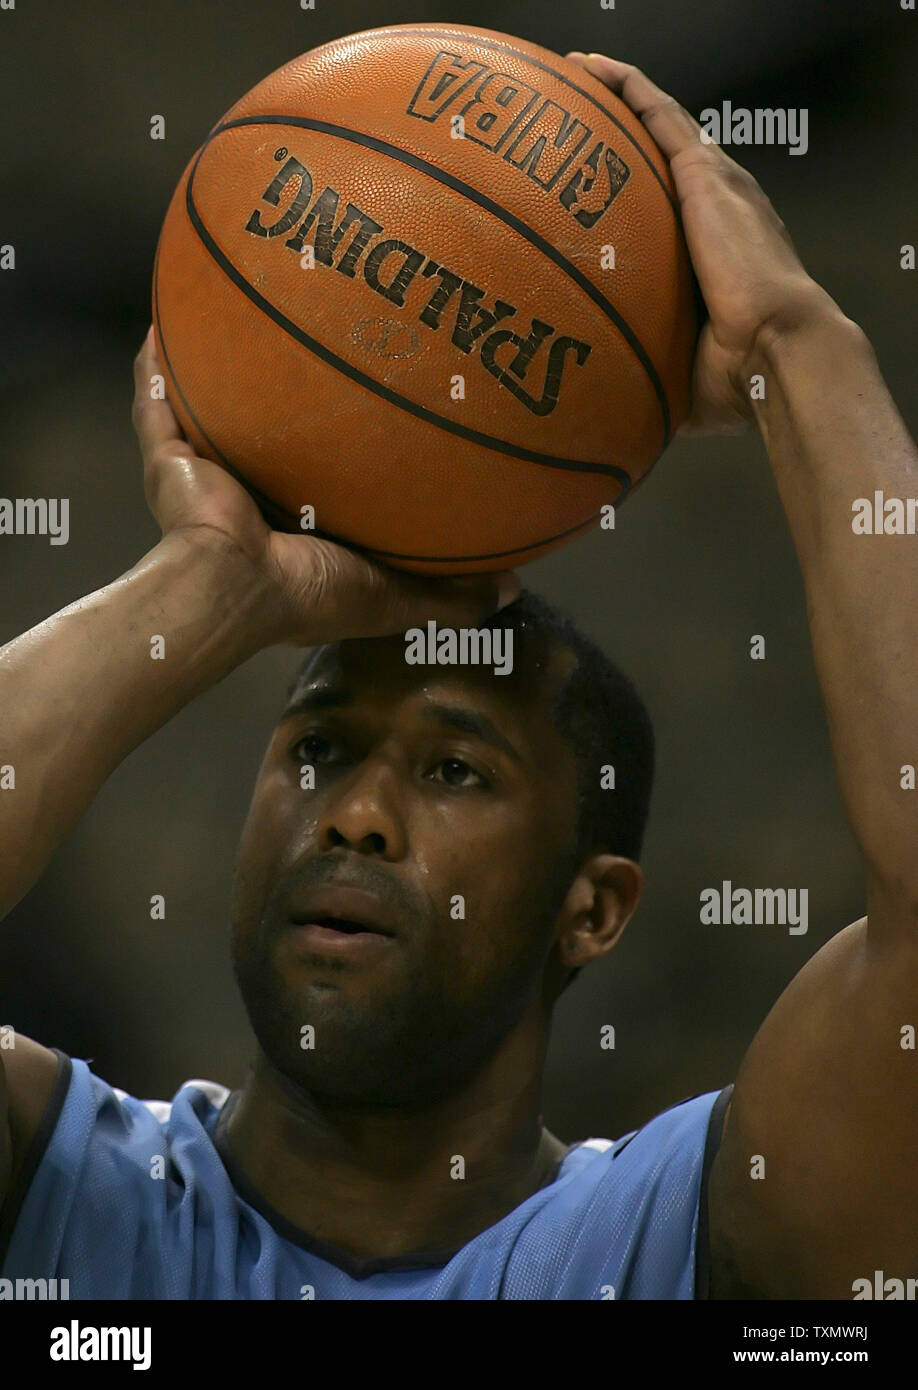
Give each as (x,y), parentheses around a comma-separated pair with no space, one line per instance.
(314,590)
(749,273)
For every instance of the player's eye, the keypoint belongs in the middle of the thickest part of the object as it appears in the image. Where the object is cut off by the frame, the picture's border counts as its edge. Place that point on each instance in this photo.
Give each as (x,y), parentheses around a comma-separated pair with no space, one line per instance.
(455,772)
(316,748)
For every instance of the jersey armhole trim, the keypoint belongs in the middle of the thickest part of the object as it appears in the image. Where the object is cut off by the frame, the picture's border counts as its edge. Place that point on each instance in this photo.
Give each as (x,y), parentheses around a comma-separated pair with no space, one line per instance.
(711,1146)
(36,1150)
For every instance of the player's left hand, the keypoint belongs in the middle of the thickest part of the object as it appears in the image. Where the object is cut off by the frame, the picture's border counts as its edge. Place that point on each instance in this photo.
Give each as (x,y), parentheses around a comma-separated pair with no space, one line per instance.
(748,271)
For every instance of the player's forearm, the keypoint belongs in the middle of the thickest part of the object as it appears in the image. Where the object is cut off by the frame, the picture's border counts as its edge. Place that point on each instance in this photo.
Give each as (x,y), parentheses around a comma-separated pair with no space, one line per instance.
(833,435)
(85,687)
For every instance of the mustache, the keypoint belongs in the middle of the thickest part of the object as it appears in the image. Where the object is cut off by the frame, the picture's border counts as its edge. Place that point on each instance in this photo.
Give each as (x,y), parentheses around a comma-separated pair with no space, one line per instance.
(349,871)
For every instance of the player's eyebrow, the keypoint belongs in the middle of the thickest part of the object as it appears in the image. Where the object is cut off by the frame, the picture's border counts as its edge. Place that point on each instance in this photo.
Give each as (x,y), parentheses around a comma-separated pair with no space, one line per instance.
(328,694)
(321,694)
(472,721)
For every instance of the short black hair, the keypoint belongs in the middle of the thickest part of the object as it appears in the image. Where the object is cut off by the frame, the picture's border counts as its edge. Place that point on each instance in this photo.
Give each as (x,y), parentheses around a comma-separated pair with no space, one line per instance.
(601,714)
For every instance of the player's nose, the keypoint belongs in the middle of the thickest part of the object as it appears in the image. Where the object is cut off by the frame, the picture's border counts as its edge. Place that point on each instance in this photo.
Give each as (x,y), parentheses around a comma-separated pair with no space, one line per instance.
(365,814)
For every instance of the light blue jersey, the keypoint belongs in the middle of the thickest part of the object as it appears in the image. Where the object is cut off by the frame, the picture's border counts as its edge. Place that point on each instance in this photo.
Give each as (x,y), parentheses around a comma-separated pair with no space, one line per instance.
(622,1219)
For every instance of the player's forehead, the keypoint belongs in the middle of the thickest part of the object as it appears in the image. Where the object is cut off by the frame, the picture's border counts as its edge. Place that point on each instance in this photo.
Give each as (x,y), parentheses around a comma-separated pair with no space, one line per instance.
(374,671)
(358,668)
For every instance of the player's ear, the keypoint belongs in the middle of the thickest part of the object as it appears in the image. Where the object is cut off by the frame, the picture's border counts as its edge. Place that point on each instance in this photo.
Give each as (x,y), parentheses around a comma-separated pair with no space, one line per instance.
(600,903)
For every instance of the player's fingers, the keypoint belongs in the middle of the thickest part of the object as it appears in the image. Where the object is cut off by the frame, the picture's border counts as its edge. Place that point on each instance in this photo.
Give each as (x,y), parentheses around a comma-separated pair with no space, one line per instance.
(151,413)
(346,594)
(673,128)
(413,599)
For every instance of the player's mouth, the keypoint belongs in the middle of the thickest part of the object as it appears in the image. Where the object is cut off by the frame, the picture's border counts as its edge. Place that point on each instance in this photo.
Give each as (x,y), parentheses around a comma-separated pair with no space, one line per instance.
(340,919)
(334,936)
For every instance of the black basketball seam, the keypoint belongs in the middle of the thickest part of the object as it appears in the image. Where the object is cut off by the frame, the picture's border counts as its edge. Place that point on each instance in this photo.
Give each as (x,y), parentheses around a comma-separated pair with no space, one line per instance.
(269,503)
(516,53)
(473,195)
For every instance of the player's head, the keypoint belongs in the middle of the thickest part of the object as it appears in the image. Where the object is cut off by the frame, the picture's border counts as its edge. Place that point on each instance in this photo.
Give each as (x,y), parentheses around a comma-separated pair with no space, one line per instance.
(478,814)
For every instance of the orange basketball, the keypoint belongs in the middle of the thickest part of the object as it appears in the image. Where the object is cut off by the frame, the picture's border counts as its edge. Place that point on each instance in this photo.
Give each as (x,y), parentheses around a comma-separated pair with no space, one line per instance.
(424,289)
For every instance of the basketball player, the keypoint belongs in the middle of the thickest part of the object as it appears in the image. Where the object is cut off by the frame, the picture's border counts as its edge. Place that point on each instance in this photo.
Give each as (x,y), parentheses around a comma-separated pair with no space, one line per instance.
(388,1142)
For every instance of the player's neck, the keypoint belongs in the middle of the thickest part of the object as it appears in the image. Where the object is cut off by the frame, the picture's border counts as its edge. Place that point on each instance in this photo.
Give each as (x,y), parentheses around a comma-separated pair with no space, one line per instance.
(383,1181)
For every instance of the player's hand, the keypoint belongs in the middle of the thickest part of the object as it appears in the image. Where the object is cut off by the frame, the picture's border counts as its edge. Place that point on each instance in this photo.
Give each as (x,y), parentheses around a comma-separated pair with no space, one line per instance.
(748,271)
(314,590)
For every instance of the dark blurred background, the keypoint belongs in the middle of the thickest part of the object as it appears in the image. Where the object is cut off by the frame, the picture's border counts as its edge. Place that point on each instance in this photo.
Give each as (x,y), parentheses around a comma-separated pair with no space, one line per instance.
(700,561)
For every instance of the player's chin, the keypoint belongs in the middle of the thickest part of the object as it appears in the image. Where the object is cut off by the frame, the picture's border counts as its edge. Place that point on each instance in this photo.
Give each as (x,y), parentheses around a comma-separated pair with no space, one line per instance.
(320,985)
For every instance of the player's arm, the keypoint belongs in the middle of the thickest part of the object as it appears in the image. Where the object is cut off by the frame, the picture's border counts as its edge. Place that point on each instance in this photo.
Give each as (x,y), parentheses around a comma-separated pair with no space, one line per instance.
(828,1091)
(81,690)
(827,1095)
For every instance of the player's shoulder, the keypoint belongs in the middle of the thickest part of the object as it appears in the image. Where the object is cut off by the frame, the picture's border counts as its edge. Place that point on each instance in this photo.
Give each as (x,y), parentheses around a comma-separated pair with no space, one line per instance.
(27,1075)
(671,1151)
(58,1117)
(698,1115)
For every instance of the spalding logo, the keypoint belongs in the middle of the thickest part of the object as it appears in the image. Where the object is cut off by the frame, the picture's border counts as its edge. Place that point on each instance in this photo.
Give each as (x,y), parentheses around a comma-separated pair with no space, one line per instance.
(534,134)
(394,270)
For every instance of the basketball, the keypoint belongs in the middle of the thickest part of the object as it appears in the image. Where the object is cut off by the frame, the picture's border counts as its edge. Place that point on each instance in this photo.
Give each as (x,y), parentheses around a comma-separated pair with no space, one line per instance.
(424,290)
